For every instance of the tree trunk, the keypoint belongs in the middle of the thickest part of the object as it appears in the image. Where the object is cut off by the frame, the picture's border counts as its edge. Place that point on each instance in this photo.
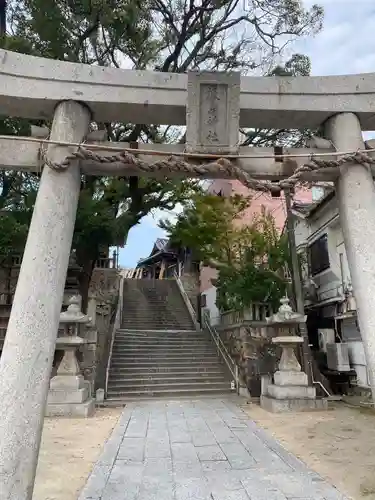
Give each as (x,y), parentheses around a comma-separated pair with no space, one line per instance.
(3,18)
(84,282)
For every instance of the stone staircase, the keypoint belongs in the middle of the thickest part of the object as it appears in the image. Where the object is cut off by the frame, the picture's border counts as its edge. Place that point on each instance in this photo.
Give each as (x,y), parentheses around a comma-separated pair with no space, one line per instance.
(154,305)
(157,351)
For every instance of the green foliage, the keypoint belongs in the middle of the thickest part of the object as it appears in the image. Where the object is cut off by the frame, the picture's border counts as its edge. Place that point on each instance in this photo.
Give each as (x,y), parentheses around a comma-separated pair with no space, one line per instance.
(251,259)
(13,233)
(260,276)
(256,273)
(205,226)
(163,35)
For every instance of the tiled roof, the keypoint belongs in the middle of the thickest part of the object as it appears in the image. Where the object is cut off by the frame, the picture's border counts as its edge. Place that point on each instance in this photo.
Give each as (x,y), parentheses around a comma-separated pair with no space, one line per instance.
(161,243)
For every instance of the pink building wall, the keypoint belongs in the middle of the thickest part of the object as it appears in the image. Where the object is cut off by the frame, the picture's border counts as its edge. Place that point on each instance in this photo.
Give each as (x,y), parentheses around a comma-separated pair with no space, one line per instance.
(259,199)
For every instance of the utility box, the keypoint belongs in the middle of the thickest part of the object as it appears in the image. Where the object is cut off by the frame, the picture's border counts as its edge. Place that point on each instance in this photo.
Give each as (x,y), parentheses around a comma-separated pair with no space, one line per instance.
(326,336)
(213,112)
(338,357)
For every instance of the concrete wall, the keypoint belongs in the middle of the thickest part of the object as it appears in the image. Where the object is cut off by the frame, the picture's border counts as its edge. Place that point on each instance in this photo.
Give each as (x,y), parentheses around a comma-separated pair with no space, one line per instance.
(214,313)
(260,201)
(326,221)
(329,282)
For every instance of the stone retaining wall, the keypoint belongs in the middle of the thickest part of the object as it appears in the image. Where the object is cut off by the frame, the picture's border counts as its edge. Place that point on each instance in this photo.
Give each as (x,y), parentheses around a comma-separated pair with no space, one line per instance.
(250,346)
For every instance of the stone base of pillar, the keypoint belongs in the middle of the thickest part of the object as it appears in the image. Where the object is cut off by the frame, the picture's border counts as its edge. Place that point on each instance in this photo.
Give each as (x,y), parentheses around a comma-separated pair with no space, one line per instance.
(74,410)
(291,392)
(292,405)
(286,378)
(69,398)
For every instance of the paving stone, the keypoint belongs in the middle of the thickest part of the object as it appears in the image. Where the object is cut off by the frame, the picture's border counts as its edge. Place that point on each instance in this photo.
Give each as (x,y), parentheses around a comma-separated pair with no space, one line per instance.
(203,438)
(179,436)
(157,449)
(206,453)
(216,466)
(198,450)
(127,471)
(192,489)
(156,488)
(96,483)
(184,452)
(119,491)
(238,456)
(230,495)
(158,467)
(137,427)
(124,481)
(223,480)
(262,490)
(132,449)
(183,470)
(224,435)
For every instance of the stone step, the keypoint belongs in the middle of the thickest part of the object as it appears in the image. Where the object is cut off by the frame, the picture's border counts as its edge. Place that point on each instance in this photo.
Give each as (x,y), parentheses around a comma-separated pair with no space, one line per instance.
(174,334)
(179,363)
(163,356)
(121,401)
(154,316)
(168,334)
(156,337)
(167,369)
(177,371)
(155,326)
(161,350)
(171,391)
(161,380)
(155,312)
(154,301)
(161,341)
(178,344)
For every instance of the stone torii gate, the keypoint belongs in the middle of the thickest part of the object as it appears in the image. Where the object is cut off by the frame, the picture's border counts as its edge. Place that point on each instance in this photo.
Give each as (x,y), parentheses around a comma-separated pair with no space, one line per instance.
(213,106)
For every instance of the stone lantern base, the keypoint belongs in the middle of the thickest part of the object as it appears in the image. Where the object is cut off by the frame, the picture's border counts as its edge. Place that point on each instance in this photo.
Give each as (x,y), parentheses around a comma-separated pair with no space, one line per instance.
(292,405)
(290,390)
(69,394)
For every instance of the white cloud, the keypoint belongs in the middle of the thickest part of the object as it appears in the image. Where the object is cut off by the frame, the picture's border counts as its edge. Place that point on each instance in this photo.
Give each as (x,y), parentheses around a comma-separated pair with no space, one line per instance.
(153,218)
(345,45)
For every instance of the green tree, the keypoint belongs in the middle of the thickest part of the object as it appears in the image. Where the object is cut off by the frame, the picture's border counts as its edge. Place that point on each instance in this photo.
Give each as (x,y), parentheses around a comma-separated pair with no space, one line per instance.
(251,259)
(206,226)
(164,35)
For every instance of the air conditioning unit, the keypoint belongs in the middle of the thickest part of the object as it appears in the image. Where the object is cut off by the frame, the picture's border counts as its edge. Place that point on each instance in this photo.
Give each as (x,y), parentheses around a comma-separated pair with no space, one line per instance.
(325,336)
(338,357)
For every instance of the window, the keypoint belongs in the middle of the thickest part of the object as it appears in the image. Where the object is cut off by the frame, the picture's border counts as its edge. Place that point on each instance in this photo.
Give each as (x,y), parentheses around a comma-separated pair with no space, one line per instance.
(318,255)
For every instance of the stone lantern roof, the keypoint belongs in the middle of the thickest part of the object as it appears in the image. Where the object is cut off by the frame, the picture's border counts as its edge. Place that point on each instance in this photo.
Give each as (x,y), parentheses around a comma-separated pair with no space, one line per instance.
(285,315)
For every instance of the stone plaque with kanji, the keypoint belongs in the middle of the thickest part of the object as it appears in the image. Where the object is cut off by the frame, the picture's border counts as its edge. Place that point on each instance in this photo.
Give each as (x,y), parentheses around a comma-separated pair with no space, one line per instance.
(213,111)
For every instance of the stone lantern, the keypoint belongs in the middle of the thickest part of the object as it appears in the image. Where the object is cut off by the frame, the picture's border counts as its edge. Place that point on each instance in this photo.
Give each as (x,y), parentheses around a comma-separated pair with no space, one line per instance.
(290,390)
(69,393)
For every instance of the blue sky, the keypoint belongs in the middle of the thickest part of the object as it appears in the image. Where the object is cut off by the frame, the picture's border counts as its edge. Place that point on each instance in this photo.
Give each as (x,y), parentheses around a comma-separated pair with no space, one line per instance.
(343,47)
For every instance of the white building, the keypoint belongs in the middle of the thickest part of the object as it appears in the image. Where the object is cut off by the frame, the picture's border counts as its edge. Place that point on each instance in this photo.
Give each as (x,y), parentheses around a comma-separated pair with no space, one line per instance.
(329,301)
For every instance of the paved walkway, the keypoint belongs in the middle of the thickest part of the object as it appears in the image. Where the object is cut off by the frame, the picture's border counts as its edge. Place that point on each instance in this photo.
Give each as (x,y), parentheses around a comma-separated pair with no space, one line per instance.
(198,450)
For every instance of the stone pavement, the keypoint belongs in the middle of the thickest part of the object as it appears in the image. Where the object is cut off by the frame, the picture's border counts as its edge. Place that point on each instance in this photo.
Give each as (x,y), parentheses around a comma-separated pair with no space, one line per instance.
(205,449)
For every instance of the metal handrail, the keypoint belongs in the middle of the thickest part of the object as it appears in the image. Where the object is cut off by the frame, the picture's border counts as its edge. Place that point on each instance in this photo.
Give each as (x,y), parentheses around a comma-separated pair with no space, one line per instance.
(186,299)
(231,364)
(116,325)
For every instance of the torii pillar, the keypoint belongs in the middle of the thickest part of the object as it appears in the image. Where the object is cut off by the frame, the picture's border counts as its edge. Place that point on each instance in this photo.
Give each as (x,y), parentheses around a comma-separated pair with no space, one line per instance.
(355,190)
(26,360)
